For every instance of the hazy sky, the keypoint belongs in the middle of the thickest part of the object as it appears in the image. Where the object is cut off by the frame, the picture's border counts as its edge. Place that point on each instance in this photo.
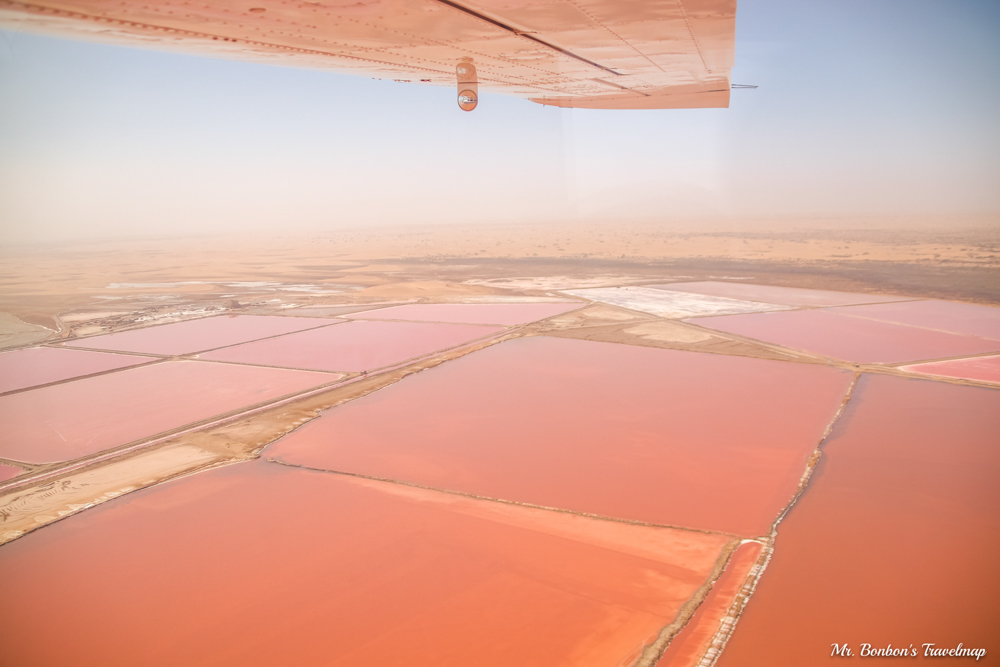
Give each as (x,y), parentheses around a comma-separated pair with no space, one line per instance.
(864,107)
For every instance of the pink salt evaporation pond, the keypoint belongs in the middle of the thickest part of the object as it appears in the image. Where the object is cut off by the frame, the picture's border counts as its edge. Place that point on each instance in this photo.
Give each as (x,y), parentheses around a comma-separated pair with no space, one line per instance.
(668,437)
(505,314)
(41,365)
(689,646)
(984,369)
(73,419)
(785,296)
(895,539)
(8,472)
(196,335)
(261,564)
(353,347)
(849,338)
(961,318)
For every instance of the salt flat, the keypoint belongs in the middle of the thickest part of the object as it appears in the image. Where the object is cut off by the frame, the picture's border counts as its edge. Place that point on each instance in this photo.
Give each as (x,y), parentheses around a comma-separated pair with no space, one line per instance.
(672,304)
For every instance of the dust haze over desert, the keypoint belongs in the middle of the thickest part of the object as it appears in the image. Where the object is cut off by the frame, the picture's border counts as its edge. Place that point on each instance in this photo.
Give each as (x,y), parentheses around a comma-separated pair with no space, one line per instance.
(314,367)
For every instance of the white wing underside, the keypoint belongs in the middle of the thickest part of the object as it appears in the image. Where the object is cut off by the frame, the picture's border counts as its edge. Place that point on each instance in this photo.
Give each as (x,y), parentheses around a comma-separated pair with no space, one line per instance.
(602,54)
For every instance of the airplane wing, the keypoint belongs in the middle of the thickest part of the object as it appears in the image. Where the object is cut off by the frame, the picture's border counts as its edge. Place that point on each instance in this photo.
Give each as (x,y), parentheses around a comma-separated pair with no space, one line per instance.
(594,54)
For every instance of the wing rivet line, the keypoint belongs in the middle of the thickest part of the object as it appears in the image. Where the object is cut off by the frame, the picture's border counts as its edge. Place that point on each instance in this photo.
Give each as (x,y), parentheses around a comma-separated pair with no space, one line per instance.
(526,35)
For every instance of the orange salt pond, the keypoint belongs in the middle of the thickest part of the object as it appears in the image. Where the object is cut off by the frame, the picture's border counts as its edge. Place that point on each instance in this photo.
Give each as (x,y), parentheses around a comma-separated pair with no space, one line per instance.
(849,338)
(196,335)
(354,346)
(784,296)
(66,421)
(895,540)
(471,313)
(961,318)
(668,437)
(40,365)
(691,644)
(261,564)
(984,369)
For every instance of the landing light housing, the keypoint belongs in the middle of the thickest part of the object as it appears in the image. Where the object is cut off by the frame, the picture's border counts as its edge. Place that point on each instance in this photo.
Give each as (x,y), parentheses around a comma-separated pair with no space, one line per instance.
(468,86)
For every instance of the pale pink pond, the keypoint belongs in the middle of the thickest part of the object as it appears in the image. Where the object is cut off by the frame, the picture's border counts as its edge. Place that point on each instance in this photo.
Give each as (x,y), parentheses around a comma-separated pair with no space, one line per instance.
(985,369)
(785,296)
(261,564)
(354,346)
(40,365)
(961,318)
(506,314)
(669,437)
(197,335)
(324,311)
(7,472)
(74,419)
(849,338)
